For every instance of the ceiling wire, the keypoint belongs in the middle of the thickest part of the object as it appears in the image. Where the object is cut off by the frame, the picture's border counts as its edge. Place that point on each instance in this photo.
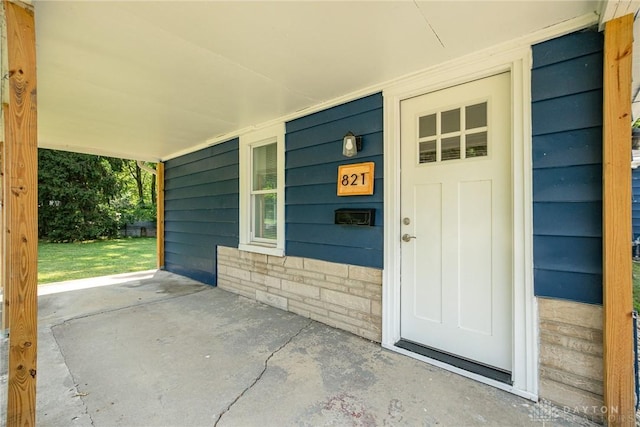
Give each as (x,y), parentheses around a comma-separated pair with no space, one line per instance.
(428,23)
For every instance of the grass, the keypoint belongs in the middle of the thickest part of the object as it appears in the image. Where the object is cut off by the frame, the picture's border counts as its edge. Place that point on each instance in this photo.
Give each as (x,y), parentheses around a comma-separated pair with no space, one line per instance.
(69,261)
(636,285)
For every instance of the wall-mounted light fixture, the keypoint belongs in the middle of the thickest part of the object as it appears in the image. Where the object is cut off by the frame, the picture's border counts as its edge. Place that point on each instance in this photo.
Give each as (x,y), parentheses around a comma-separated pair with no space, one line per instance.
(351,144)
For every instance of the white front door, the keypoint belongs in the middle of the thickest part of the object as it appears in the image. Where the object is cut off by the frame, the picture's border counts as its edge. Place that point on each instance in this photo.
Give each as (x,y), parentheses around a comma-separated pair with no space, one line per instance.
(456,277)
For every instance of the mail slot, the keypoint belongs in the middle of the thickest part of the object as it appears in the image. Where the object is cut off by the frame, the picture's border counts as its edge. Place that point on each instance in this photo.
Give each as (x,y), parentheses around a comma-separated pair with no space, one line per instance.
(355,216)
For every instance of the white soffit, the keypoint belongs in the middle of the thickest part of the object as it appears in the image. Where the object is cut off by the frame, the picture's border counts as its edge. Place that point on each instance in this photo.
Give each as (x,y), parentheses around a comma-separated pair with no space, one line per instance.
(147,80)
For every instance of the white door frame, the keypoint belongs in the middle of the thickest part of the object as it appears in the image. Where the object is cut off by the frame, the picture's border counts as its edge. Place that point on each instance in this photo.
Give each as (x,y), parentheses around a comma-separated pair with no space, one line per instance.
(525,324)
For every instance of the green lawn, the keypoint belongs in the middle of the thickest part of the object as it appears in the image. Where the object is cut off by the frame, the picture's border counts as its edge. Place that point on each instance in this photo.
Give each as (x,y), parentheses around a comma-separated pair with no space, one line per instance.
(68,261)
(636,285)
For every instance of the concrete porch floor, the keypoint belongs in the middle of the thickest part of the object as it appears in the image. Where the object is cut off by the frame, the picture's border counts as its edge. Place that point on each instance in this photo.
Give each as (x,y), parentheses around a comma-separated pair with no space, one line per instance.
(163,350)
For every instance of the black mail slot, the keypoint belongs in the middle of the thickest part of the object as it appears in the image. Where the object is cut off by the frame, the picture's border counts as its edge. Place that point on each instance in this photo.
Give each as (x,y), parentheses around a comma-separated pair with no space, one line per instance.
(355,216)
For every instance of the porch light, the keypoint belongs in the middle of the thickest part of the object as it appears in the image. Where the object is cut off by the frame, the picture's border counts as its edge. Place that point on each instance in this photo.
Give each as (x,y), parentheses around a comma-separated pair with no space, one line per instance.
(351,144)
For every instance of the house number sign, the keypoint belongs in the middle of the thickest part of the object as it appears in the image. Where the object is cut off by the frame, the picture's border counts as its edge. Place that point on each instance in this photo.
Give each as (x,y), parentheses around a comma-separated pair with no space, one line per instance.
(356,179)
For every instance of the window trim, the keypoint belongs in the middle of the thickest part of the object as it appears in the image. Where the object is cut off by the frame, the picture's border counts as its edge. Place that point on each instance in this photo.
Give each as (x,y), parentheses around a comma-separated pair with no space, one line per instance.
(249,141)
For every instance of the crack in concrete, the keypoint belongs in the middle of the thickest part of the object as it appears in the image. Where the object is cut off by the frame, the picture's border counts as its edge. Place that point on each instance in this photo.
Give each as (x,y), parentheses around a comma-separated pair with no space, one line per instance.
(259,377)
(73,378)
(59,322)
(55,323)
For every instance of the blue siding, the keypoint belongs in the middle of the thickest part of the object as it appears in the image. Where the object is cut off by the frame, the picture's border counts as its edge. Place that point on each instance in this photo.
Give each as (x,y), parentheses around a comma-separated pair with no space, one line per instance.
(635,206)
(201,209)
(566,91)
(566,48)
(313,153)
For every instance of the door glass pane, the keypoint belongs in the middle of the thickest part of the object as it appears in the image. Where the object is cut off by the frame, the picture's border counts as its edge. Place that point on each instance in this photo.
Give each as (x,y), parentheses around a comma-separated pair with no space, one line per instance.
(428,151)
(427,125)
(476,145)
(265,226)
(451,148)
(476,116)
(451,121)
(265,167)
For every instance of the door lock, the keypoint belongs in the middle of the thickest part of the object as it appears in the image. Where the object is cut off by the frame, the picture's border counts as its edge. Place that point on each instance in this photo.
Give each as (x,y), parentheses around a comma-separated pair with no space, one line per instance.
(407,237)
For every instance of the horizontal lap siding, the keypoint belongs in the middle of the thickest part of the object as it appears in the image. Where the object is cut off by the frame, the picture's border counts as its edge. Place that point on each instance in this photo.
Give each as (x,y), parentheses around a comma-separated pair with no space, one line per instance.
(566,92)
(201,209)
(313,154)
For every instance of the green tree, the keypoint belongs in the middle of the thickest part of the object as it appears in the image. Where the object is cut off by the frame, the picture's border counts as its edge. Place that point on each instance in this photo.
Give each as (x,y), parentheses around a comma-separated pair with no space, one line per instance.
(138,198)
(76,194)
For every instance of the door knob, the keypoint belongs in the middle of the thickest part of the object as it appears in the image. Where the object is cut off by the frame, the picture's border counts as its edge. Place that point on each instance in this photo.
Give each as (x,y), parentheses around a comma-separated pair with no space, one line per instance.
(407,237)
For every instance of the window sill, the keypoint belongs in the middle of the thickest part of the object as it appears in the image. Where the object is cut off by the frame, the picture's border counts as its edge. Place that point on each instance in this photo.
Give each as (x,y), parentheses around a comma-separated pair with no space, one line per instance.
(266,250)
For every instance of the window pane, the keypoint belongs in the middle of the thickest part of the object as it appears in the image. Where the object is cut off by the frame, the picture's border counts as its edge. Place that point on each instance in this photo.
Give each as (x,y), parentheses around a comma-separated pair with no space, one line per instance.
(427,152)
(265,167)
(266,226)
(450,121)
(427,125)
(476,145)
(476,116)
(451,148)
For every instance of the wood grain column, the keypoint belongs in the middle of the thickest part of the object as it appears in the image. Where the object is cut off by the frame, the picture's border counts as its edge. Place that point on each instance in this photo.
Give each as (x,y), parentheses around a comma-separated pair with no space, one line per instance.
(21,209)
(617,275)
(4,277)
(160,214)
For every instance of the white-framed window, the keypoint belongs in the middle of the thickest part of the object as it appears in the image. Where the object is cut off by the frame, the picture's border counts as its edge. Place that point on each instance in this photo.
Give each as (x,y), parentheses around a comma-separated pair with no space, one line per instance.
(262,191)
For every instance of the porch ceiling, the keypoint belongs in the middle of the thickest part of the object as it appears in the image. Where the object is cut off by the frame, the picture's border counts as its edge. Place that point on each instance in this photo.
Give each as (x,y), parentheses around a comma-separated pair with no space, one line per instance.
(149,80)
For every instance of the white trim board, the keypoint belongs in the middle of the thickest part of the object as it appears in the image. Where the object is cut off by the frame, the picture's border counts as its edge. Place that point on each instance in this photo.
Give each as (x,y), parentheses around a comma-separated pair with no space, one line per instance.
(518,62)
(612,9)
(545,34)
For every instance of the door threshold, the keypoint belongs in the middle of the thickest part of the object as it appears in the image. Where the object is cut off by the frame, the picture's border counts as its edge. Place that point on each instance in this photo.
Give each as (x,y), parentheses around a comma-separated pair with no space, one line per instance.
(459,362)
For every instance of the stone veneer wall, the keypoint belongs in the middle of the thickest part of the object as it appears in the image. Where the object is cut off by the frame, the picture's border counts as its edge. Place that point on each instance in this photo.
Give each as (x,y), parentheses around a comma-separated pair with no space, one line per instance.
(571,355)
(343,296)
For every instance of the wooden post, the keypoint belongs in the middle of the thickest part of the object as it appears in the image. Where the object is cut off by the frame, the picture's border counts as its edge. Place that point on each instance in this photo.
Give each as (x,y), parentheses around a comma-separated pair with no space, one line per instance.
(617,274)
(160,214)
(21,210)
(4,97)
(3,226)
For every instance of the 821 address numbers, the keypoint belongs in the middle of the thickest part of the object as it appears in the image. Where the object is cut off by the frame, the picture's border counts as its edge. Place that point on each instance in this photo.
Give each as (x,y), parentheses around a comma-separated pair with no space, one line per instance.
(356,179)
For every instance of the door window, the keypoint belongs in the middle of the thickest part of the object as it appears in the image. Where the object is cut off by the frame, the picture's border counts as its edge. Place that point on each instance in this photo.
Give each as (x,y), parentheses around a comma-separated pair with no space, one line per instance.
(454,134)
